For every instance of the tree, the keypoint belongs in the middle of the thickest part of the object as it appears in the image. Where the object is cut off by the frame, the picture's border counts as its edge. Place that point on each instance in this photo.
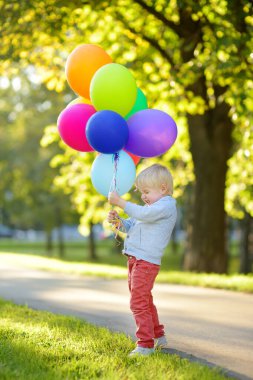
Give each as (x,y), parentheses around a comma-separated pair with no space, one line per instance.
(239,202)
(206,48)
(191,58)
(26,191)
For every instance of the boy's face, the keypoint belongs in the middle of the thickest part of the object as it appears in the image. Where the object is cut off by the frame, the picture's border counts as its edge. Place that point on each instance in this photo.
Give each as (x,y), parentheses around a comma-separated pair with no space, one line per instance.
(150,195)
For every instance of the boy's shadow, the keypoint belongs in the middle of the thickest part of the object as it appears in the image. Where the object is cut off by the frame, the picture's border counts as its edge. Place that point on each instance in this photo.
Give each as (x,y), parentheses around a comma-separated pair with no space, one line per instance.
(192,358)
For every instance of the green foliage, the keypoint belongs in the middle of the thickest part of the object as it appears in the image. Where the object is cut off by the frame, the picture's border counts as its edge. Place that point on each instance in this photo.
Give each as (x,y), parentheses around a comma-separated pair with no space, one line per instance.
(239,180)
(169,47)
(26,190)
(74,178)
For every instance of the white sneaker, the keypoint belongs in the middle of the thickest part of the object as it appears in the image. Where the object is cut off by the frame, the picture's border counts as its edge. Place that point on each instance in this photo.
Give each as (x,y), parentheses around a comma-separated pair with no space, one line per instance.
(143,351)
(161,342)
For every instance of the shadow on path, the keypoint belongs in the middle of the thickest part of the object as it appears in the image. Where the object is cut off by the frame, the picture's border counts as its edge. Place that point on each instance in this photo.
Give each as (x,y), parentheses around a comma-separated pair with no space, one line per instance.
(192,358)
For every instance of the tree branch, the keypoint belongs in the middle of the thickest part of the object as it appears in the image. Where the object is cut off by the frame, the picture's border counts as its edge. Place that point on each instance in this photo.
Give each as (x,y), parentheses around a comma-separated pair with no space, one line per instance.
(159,16)
(153,42)
(189,33)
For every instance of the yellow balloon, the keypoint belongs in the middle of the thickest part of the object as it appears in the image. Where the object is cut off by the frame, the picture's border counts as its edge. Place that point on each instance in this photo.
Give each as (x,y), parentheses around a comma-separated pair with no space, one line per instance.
(79,100)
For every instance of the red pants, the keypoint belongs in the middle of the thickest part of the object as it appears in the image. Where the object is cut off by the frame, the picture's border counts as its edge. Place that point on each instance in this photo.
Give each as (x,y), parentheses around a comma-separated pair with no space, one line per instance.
(141,278)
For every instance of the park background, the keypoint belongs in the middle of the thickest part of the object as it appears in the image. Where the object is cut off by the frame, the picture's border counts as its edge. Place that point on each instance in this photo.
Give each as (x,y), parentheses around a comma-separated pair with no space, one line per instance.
(192,60)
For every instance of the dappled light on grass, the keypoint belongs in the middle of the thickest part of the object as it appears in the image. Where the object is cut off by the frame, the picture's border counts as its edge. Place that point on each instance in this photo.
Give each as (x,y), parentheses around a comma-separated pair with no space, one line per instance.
(234,282)
(41,345)
(211,280)
(44,263)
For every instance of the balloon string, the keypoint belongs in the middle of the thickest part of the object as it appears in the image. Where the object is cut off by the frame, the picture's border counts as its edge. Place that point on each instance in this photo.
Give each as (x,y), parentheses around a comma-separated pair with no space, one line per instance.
(113,187)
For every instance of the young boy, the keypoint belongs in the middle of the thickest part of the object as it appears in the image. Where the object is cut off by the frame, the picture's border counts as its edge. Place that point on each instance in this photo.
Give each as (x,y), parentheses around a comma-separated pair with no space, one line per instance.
(148,233)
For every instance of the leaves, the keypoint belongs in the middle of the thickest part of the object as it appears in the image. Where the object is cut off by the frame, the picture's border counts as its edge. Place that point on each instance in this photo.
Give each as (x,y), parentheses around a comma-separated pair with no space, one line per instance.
(26,191)
(167,46)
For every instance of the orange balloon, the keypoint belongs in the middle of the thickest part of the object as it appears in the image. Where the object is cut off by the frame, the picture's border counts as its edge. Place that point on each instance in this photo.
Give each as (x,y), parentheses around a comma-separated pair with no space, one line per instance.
(81,65)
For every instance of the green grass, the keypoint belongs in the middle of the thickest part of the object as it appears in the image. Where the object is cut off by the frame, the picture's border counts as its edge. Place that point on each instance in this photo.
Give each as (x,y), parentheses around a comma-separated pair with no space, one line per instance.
(111,264)
(243,283)
(236,282)
(74,251)
(36,345)
(107,253)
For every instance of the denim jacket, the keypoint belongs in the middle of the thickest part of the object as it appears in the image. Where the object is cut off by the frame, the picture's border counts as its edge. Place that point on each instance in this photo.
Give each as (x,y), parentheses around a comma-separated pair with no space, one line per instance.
(149,229)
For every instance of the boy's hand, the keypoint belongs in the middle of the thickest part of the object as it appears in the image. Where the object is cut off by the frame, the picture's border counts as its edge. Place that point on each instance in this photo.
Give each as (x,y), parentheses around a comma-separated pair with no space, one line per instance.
(114,199)
(112,216)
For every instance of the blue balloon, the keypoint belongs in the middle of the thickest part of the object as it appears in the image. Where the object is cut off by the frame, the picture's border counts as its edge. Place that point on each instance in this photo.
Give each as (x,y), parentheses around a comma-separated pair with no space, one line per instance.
(107,132)
(102,173)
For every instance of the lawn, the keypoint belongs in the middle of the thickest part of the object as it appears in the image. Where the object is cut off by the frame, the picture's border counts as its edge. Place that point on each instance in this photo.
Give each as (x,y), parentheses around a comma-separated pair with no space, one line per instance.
(112,264)
(108,252)
(39,345)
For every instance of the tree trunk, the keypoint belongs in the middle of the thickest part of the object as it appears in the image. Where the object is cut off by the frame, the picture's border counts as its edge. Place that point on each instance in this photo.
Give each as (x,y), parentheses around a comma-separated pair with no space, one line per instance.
(92,245)
(210,138)
(59,222)
(49,242)
(246,244)
(61,246)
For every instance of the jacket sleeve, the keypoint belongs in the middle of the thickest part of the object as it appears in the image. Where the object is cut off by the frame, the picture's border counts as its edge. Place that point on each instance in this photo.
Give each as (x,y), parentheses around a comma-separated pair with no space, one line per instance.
(126,224)
(146,213)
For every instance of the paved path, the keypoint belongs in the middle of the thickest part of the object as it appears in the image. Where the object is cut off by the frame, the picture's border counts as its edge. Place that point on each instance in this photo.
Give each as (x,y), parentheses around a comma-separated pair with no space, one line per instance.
(207,325)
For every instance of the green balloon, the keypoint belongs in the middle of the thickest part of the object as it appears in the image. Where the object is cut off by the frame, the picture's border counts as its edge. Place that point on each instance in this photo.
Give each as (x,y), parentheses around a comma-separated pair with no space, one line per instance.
(113,88)
(140,104)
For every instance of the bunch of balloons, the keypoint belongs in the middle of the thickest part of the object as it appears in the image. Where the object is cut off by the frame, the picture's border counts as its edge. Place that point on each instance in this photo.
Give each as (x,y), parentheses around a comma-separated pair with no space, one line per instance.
(111,116)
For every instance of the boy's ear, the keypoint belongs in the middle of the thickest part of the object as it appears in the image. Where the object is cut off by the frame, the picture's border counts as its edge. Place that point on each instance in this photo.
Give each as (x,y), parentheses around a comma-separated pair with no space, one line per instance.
(164,188)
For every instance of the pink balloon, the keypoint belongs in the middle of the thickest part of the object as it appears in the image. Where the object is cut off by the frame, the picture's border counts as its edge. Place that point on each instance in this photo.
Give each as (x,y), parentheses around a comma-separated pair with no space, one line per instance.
(72,126)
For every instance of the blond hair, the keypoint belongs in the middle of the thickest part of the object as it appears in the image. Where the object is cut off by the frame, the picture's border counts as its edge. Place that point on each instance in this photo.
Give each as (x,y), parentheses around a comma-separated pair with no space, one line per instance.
(155,176)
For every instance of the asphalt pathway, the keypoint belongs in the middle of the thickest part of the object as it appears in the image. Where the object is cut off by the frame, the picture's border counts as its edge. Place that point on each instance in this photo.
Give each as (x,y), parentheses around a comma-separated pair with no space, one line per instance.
(214,327)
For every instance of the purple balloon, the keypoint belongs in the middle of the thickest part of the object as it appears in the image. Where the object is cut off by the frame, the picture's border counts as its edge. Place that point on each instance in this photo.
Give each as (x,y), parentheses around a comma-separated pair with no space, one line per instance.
(151,133)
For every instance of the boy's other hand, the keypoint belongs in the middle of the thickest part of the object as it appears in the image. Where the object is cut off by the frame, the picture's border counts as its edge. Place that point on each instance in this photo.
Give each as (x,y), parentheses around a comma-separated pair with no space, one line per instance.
(112,216)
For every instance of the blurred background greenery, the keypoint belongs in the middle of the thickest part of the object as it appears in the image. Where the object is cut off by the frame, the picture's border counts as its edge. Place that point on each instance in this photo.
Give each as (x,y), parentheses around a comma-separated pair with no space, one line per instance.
(192,60)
